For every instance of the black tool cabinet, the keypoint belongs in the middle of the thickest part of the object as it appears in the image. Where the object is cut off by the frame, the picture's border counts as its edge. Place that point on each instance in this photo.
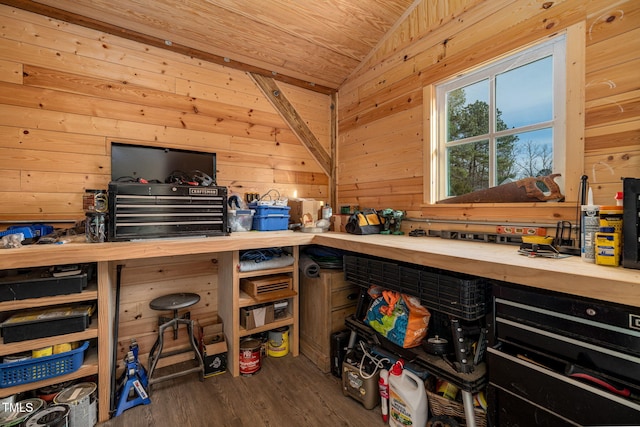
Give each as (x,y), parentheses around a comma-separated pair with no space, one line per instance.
(561,360)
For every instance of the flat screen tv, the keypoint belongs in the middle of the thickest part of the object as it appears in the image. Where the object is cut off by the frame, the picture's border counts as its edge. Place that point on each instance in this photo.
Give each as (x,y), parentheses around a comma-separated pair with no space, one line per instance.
(131,163)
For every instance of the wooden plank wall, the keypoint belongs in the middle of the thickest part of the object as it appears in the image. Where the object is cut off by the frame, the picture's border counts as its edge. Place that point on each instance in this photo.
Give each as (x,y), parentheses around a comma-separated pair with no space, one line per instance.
(67,92)
(144,280)
(380,109)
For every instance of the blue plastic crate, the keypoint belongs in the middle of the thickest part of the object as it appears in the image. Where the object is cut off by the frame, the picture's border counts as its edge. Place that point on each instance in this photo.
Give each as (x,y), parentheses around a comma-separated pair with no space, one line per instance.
(267,210)
(270,222)
(41,368)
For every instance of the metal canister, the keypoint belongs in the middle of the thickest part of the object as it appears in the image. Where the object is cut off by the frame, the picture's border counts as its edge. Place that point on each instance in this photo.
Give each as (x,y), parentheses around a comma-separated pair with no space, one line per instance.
(53,416)
(250,356)
(15,414)
(278,344)
(82,402)
(96,227)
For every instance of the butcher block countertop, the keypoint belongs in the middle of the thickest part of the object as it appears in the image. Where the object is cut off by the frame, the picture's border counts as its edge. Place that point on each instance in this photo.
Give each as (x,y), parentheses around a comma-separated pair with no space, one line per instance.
(500,262)
(491,260)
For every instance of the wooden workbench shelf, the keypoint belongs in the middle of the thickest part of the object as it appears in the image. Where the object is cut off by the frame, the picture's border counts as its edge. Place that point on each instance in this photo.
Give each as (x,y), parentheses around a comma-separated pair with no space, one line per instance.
(232,299)
(89,367)
(288,321)
(491,261)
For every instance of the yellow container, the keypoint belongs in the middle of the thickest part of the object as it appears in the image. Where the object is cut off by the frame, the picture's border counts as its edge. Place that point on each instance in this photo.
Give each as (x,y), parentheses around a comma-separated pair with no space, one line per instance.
(608,246)
(278,344)
(611,216)
(42,352)
(62,348)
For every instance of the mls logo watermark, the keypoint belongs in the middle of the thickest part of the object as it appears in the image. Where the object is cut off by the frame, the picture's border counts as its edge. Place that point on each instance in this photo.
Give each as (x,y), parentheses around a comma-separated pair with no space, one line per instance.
(20,407)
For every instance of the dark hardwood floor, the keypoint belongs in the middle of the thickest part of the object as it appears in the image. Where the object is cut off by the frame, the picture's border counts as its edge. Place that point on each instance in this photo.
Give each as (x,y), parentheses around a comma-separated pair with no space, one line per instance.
(287,391)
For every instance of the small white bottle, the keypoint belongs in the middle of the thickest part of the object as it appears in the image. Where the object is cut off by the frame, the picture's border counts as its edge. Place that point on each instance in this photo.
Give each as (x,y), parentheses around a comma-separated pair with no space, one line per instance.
(327,212)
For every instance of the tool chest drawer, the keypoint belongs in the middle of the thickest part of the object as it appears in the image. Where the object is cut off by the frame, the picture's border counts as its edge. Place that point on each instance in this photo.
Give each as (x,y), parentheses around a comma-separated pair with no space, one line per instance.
(557,393)
(562,358)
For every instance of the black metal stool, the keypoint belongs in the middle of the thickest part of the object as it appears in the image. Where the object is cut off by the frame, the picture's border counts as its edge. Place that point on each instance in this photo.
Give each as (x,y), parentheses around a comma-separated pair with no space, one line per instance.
(174,302)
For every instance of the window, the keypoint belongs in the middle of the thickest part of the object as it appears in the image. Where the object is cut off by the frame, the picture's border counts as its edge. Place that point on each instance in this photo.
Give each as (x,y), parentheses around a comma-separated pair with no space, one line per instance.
(502,122)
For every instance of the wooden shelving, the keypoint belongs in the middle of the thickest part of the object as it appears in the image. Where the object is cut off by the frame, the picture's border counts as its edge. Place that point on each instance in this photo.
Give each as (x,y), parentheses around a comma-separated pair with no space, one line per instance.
(90,364)
(246,300)
(231,299)
(288,321)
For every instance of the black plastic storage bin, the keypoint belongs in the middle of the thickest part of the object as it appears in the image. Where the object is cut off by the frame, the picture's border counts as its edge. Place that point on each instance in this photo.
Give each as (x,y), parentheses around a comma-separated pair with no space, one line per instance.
(41,323)
(41,282)
(458,295)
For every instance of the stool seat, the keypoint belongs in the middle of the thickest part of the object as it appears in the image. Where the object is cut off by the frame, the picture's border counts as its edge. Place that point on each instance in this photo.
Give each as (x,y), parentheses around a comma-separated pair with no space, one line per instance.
(174,301)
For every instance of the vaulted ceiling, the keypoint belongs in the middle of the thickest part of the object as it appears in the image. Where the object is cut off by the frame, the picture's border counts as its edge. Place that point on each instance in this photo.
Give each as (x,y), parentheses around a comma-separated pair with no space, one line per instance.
(318,43)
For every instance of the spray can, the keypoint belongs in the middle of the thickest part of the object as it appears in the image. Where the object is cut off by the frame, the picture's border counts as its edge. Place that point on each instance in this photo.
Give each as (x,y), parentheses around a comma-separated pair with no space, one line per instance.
(590,226)
(383,384)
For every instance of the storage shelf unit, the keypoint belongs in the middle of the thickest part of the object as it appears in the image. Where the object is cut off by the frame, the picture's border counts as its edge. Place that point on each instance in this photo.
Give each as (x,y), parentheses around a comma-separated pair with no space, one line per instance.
(231,299)
(90,363)
(325,301)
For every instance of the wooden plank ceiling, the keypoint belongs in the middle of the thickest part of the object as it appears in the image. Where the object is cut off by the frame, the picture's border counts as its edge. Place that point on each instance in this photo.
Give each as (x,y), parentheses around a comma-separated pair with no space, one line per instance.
(314,43)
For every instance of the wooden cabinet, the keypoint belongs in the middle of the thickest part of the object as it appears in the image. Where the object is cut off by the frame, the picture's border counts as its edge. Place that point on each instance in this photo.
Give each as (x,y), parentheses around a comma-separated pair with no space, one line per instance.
(90,362)
(231,299)
(325,302)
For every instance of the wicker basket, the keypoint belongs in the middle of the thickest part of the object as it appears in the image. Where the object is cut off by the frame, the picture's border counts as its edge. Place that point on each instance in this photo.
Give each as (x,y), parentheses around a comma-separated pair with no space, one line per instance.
(442,406)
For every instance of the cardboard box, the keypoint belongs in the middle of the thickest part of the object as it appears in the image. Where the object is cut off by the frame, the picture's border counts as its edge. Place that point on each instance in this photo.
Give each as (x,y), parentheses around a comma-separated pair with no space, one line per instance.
(338,222)
(256,316)
(213,347)
(299,207)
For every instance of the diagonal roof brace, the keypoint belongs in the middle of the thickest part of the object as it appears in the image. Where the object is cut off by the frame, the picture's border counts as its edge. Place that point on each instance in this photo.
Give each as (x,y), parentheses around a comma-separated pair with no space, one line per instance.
(269,87)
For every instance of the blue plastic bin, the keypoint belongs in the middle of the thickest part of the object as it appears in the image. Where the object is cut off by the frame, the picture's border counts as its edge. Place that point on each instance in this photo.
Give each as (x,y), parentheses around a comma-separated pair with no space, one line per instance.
(270,222)
(270,210)
(41,368)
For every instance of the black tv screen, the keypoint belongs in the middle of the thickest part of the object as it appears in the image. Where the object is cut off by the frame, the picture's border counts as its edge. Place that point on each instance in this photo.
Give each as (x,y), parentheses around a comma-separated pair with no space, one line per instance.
(157,164)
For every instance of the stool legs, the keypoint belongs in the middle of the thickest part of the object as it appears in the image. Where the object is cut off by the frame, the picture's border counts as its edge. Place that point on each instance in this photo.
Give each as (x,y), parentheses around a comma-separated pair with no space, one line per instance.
(156,351)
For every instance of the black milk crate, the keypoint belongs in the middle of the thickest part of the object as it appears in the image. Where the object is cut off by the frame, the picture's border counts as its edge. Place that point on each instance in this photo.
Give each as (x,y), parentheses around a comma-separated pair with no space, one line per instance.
(456,294)
(365,272)
(356,270)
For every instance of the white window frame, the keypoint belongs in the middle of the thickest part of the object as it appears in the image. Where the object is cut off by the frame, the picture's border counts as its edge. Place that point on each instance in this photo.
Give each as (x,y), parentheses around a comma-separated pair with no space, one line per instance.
(555,47)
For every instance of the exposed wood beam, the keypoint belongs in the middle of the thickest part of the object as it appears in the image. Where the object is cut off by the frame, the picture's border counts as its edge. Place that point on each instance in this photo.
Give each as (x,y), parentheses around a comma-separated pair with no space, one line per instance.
(74,18)
(333,196)
(273,93)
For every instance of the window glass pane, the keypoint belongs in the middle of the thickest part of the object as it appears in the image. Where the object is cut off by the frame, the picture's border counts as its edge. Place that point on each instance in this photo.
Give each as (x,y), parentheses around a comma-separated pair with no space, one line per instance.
(468,168)
(524,154)
(468,111)
(524,95)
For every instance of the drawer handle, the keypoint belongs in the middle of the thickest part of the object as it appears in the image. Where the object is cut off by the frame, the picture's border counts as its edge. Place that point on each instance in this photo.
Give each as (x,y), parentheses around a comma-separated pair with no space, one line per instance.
(352,297)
